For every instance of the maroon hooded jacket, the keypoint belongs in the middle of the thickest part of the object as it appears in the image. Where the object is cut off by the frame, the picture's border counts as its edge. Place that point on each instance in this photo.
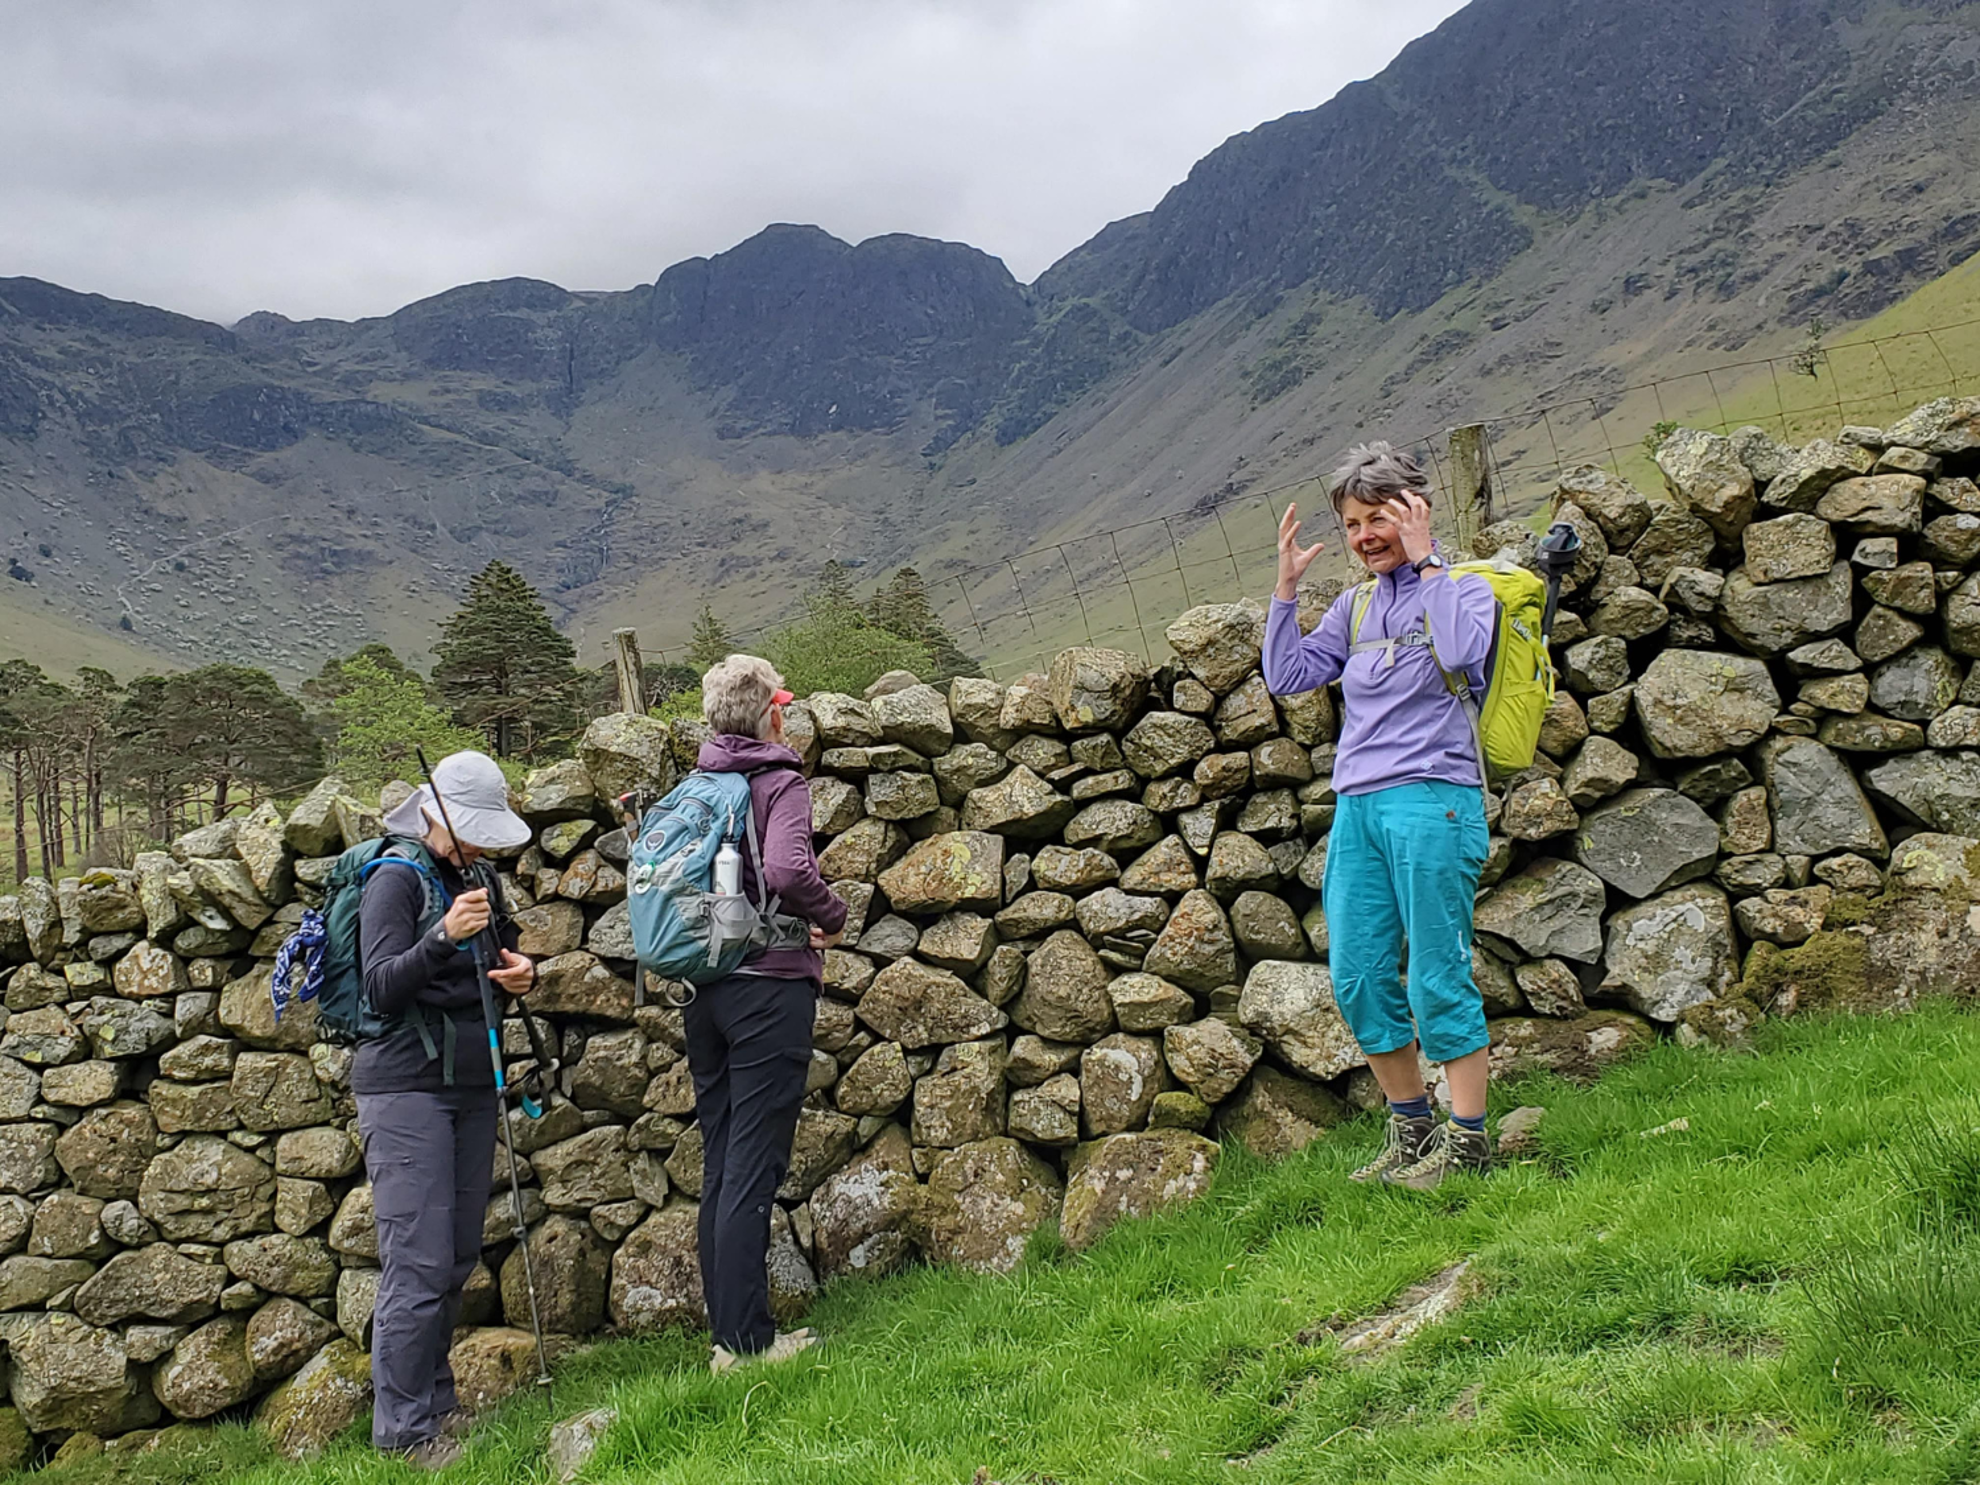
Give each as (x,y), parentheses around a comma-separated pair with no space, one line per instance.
(781,803)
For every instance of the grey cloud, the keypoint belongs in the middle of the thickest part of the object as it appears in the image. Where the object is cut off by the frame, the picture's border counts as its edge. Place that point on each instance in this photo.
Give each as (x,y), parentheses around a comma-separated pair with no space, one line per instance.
(219,156)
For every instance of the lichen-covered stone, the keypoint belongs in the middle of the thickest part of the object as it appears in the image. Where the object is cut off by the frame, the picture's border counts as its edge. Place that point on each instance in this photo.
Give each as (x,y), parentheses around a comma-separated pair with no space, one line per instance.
(983,1202)
(207,1372)
(1645,840)
(1292,1008)
(1771,618)
(962,1099)
(1819,808)
(1211,1057)
(1065,992)
(1132,1175)
(1276,1115)
(1220,642)
(207,1190)
(1551,908)
(656,1274)
(1195,948)
(1668,954)
(918,1006)
(1096,690)
(863,1214)
(319,1402)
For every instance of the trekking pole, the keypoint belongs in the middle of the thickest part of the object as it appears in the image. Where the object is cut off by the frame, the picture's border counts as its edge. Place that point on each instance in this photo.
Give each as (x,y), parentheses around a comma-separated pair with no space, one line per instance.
(521,1230)
(1559,551)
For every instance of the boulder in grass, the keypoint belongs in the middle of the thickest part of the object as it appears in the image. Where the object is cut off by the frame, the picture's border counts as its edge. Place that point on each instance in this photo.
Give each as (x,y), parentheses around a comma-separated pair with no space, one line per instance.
(982,1203)
(1577,1049)
(1275,1114)
(1132,1175)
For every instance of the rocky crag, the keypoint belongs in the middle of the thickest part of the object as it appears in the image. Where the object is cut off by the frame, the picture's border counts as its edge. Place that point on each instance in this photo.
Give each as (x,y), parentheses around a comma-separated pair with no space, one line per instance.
(1085,947)
(1540,194)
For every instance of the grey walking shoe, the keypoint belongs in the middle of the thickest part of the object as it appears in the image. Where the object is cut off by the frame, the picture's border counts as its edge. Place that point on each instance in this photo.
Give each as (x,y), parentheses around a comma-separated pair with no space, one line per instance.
(1402,1145)
(1451,1149)
(787,1344)
(431,1454)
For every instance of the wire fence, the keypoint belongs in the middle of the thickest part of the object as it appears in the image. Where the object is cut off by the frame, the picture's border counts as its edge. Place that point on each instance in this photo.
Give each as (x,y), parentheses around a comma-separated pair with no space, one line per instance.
(1122,586)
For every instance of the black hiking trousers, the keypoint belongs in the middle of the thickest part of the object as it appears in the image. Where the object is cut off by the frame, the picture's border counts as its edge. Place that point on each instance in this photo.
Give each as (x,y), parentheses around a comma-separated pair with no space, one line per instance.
(431,1160)
(749,1048)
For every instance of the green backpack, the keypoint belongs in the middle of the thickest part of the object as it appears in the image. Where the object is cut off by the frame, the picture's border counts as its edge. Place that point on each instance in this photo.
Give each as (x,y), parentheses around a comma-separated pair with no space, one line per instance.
(320,960)
(1519,676)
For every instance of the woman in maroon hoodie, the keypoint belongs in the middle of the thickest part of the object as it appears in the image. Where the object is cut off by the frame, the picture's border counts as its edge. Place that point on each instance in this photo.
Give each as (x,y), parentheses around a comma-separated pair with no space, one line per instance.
(749,1035)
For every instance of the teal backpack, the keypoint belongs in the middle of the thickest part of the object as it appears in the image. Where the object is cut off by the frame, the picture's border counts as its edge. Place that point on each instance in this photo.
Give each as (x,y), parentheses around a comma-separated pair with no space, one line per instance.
(320,961)
(683,929)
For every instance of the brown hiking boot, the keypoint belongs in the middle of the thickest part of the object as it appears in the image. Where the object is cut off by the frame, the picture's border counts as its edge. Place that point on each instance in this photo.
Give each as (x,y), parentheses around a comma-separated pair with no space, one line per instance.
(1451,1149)
(1402,1145)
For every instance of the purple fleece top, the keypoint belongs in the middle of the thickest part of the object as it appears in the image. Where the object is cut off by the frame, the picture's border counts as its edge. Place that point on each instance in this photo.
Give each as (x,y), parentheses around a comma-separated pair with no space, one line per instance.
(1401,725)
(781,803)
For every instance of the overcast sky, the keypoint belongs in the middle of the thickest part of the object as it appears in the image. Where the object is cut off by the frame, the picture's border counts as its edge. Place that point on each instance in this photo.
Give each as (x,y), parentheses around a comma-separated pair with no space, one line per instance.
(344,157)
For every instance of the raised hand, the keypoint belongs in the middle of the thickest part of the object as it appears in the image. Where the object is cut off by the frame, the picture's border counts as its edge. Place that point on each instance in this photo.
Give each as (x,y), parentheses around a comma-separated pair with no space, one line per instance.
(1412,517)
(1294,559)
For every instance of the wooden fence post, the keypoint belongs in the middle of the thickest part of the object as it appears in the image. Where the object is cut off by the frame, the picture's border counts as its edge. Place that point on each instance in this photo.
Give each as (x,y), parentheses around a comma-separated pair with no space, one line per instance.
(1471,477)
(632,687)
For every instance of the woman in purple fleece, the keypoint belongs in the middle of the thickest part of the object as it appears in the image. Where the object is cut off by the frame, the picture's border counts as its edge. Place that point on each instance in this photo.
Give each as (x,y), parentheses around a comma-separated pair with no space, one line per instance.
(749,1035)
(1409,836)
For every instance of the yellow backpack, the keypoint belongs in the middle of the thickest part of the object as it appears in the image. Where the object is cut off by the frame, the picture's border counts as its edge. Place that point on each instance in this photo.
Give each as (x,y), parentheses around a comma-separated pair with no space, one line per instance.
(1519,676)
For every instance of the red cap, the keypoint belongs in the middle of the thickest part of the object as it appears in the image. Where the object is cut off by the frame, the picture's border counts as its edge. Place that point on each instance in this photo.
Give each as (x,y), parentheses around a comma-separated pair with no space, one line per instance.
(781,698)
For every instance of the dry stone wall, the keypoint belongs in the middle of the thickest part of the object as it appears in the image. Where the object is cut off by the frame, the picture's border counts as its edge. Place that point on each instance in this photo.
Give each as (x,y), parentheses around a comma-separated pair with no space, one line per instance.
(1085,946)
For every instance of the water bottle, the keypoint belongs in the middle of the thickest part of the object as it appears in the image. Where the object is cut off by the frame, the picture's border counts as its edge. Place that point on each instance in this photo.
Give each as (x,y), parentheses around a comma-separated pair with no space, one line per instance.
(728,870)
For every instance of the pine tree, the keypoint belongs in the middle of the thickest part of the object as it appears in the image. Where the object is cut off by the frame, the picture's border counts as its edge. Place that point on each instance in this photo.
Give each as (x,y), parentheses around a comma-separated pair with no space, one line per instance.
(902,608)
(503,667)
(710,643)
(382,717)
(213,728)
(834,589)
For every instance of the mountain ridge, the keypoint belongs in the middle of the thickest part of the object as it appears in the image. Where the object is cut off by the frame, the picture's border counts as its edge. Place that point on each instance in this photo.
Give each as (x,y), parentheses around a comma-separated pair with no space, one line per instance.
(1536,190)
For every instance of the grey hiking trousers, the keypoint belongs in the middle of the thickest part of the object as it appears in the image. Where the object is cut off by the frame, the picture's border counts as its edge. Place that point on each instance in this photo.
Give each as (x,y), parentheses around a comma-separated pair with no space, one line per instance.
(430,1157)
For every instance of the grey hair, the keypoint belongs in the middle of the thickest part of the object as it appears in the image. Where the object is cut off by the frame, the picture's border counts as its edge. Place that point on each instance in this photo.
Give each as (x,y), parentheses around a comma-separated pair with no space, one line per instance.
(1375,472)
(735,695)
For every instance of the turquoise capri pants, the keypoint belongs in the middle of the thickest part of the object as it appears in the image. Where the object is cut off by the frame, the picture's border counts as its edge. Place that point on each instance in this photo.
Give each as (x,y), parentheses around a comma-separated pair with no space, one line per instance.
(1402,866)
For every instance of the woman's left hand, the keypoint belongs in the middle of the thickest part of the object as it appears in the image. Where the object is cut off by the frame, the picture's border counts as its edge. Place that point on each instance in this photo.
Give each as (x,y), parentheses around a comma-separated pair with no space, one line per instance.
(1412,516)
(516,976)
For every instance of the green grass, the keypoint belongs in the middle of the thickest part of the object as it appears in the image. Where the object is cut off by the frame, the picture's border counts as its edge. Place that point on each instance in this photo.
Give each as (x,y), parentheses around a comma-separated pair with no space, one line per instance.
(1787,1291)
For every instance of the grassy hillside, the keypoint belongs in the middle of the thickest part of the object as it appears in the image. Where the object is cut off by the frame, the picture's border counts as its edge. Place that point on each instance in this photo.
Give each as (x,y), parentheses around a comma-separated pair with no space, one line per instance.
(1130,585)
(1712,1268)
(32,630)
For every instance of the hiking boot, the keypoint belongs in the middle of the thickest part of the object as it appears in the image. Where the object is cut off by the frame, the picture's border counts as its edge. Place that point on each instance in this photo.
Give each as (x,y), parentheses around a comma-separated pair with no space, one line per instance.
(1451,1149)
(1402,1145)
(431,1454)
(787,1344)
(455,1423)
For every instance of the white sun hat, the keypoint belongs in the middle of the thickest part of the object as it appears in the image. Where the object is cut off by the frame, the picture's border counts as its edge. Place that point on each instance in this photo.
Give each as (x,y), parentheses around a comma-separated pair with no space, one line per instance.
(476,797)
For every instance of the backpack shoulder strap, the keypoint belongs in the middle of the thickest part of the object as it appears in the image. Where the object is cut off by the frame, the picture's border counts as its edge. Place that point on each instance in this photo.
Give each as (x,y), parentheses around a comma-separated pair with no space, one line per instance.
(1364,594)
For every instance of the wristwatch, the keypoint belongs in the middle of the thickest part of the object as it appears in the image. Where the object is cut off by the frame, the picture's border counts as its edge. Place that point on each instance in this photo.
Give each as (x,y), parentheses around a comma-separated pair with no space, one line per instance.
(1435,559)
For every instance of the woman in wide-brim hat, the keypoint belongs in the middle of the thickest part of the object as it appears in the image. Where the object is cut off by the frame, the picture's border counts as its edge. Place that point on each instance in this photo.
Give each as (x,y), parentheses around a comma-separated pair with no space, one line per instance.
(426,1090)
